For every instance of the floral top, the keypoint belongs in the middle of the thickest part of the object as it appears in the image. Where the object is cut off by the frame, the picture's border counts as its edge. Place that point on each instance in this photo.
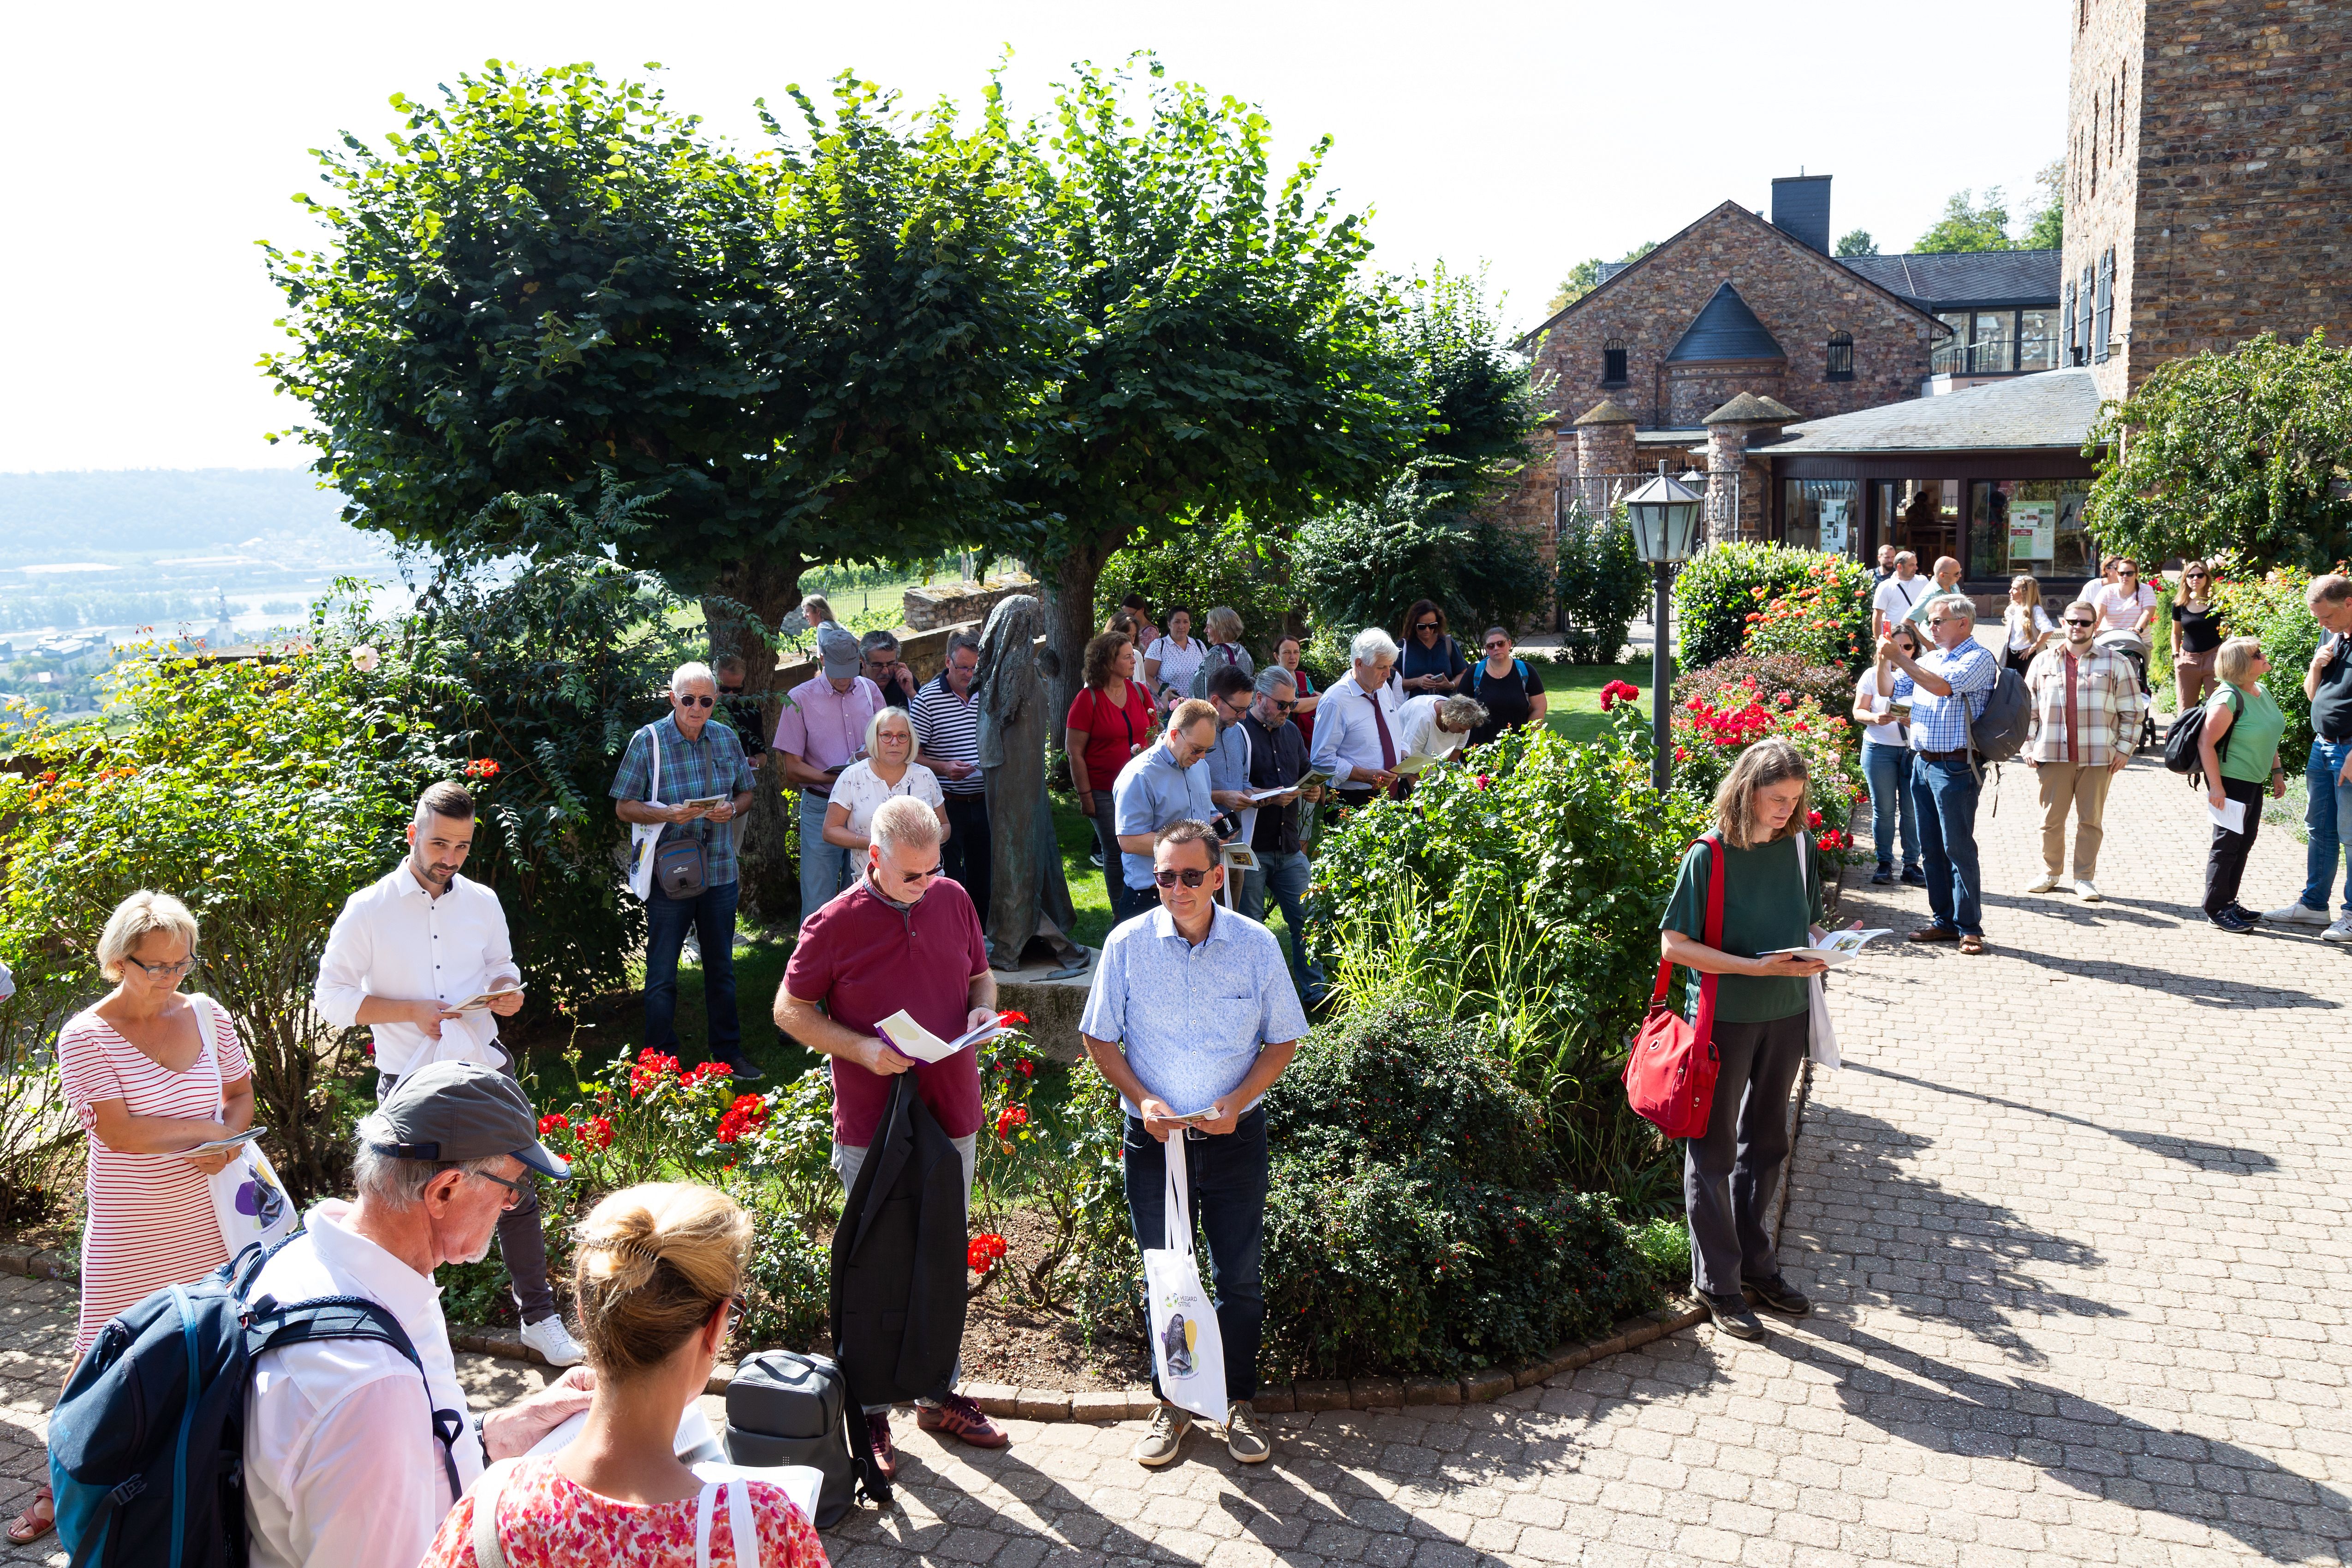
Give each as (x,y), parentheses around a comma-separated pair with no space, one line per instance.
(546,1521)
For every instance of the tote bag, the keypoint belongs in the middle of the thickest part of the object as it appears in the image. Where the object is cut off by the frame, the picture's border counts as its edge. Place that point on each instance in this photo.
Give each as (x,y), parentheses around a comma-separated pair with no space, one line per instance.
(1822,1046)
(250,1203)
(645,836)
(1671,1070)
(1186,1349)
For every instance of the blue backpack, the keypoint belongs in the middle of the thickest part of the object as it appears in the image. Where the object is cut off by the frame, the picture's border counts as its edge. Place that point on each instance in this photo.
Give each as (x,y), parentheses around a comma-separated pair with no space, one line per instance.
(147,1445)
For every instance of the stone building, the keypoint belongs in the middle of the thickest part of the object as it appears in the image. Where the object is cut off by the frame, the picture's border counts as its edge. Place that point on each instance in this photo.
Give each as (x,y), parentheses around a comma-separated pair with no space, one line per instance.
(2209,166)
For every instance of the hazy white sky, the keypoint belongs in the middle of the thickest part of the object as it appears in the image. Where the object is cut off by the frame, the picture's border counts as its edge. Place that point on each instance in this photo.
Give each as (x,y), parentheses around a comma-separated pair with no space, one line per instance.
(150,146)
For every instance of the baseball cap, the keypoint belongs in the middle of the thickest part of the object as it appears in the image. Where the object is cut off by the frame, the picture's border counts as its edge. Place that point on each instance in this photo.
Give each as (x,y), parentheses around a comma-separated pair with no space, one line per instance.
(839,648)
(459,1110)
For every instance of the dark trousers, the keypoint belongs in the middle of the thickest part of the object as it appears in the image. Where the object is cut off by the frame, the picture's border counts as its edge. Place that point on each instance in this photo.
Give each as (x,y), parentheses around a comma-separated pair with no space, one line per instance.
(2227,862)
(965,857)
(711,914)
(1124,901)
(1730,1175)
(1227,1176)
(523,1246)
(1944,797)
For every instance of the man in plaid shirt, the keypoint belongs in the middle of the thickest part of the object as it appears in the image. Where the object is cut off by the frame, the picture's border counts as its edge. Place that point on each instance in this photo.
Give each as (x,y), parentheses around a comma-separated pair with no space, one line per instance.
(2083,729)
(1947,687)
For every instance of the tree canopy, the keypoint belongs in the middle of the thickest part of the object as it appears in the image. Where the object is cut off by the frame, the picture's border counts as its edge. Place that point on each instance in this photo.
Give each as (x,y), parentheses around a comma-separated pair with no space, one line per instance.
(1585,276)
(1857,242)
(2241,454)
(1970,226)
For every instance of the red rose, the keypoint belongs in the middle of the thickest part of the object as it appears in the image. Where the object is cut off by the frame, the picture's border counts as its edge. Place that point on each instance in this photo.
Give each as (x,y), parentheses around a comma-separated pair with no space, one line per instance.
(1012,1020)
(596,1132)
(554,1121)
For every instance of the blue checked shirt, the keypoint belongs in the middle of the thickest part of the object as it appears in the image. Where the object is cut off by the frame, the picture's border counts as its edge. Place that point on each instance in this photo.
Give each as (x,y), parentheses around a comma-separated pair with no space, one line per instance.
(1192,1020)
(713,763)
(1941,723)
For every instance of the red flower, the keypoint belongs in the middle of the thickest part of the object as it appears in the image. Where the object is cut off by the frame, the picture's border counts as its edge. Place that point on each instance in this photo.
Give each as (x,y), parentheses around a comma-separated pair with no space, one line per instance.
(1483,781)
(1812,819)
(481,768)
(745,1115)
(554,1121)
(596,1132)
(1011,1117)
(1025,1066)
(985,1251)
(1012,1020)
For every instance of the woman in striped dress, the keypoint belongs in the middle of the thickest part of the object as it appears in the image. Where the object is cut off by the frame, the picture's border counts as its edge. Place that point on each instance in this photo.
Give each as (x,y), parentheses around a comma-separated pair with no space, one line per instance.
(148,1079)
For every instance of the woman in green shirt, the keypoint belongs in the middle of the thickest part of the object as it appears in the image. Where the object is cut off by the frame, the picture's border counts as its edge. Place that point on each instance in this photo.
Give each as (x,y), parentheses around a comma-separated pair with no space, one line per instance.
(1771,899)
(2239,748)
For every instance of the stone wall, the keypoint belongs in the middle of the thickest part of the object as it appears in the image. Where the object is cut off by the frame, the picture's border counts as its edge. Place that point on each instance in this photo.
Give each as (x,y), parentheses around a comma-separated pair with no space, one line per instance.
(951,604)
(1530,505)
(1695,391)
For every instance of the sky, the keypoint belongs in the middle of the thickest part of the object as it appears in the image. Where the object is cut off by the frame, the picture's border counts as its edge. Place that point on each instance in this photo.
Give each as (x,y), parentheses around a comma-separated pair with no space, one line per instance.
(151,146)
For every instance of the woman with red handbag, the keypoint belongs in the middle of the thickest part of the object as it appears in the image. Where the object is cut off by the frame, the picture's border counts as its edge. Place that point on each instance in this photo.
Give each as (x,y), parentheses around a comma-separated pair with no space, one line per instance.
(1771,899)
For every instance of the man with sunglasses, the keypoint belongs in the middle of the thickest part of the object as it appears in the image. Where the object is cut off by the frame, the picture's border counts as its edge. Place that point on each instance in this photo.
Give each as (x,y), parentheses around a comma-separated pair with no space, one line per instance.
(1192,1018)
(1166,783)
(1946,686)
(2327,770)
(699,760)
(2082,730)
(904,936)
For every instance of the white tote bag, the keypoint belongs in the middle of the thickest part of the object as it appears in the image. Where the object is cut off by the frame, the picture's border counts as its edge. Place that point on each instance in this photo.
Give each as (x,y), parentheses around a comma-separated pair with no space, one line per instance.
(1824,1046)
(645,837)
(1186,1349)
(250,1203)
(489,1550)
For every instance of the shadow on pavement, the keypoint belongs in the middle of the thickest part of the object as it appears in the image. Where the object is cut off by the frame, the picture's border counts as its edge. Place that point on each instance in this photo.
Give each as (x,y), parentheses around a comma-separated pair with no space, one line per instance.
(2220,1157)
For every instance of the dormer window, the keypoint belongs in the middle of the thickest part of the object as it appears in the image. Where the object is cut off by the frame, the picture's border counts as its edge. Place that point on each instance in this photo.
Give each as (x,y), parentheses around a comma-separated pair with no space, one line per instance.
(1840,358)
(1613,362)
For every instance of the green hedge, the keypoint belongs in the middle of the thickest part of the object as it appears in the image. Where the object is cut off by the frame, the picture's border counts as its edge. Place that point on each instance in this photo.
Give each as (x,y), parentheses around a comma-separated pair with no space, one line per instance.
(1601,585)
(2276,609)
(1365,565)
(1715,594)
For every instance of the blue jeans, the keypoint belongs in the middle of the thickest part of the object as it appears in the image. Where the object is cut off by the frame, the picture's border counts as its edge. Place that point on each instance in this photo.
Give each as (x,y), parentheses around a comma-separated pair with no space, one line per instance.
(1285,874)
(1227,1175)
(825,868)
(711,913)
(1884,766)
(2328,817)
(1944,794)
(1125,902)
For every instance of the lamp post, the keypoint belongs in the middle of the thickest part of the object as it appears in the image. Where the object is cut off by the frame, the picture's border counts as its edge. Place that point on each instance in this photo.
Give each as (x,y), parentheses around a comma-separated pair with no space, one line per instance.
(1663,515)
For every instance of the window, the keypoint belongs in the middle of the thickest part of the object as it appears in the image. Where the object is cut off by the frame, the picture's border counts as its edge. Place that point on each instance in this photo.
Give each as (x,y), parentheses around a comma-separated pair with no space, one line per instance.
(1950,355)
(2083,309)
(2105,321)
(2036,349)
(1840,364)
(1613,362)
(2067,321)
(1990,355)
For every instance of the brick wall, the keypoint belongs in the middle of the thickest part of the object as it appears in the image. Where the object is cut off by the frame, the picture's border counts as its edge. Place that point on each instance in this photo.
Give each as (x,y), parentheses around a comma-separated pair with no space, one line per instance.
(1529,506)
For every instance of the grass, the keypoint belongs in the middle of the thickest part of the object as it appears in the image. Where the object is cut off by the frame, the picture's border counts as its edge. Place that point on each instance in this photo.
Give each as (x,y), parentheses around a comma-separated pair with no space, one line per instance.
(1574,690)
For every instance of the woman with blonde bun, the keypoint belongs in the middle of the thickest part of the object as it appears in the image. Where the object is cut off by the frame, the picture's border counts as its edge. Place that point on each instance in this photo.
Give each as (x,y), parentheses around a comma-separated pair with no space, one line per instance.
(659,1268)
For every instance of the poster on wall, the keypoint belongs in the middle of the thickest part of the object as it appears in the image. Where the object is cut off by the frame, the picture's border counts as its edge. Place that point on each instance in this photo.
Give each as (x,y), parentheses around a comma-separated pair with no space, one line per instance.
(2033,529)
(1833,525)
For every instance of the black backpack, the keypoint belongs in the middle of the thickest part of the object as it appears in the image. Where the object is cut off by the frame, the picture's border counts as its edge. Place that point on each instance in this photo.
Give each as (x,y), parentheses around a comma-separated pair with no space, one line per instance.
(147,1444)
(2184,742)
(786,1408)
(1998,734)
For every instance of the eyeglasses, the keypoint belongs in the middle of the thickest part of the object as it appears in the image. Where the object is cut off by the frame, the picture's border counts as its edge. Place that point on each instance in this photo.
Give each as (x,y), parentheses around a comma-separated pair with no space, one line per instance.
(687,700)
(162,970)
(1426,626)
(1191,875)
(515,1190)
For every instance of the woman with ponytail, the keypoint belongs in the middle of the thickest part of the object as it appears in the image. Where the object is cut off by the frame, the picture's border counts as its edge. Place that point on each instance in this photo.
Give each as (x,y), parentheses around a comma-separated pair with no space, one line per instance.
(659,1267)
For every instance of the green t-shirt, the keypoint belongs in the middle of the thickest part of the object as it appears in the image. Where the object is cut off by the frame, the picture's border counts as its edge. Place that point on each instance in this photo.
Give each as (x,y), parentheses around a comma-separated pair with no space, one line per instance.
(1763,907)
(2251,746)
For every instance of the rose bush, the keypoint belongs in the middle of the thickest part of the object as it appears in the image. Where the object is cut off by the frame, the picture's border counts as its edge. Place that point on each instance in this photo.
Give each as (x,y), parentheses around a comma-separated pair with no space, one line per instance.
(1715,592)
(1707,738)
(1824,617)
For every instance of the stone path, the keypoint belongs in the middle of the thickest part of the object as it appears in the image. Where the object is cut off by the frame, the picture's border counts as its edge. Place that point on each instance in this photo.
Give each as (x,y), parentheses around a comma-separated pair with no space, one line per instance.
(2077,1216)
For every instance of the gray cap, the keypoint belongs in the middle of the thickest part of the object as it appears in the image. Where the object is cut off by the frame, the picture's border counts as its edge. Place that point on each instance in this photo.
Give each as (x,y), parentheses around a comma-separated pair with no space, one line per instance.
(455,1111)
(839,650)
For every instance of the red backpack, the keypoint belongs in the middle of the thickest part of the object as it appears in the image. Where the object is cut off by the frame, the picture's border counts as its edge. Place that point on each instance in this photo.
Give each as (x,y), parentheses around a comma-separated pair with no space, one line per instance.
(1671,1070)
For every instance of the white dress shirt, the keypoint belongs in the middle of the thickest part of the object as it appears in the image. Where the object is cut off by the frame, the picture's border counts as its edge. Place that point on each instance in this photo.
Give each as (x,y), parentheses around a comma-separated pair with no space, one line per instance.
(1347,741)
(393,939)
(341,1466)
(1419,740)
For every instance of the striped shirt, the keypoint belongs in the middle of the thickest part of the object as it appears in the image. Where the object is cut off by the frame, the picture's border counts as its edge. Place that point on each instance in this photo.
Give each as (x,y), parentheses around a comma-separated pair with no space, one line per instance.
(947,727)
(150,1216)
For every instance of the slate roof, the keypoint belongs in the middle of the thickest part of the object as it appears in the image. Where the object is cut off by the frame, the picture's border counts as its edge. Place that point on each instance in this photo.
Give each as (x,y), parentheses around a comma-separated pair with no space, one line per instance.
(1725,329)
(1992,279)
(2052,409)
(1748,408)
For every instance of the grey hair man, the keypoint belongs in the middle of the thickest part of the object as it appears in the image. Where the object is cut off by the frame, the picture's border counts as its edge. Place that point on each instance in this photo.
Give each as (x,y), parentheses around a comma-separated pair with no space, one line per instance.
(1356,722)
(1432,728)
(1946,686)
(352,1458)
(1278,760)
(880,663)
(947,739)
(2327,772)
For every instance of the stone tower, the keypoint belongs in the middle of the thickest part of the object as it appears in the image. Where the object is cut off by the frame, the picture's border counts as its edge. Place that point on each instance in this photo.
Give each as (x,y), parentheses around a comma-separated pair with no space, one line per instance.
(2208,179)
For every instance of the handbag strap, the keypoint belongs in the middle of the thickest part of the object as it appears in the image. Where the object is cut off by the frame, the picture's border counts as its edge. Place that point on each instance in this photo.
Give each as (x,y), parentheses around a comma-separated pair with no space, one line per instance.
(209,1025)
(488,1551)
(1177,1223)
(653,739)
(1713,928)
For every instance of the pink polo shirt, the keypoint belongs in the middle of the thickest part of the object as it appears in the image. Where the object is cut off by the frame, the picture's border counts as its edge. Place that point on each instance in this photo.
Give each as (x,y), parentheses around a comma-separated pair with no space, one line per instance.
(824,728)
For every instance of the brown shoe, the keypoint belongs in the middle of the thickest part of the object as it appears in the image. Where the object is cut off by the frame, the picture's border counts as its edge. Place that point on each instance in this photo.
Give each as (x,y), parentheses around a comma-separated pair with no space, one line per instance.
(886,1453)
(959,1417)
(1937,933)
(1973,945)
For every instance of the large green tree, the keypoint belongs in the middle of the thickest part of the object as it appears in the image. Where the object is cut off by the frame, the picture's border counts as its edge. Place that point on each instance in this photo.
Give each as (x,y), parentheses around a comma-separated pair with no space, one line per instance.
(1227,354)
(1968,224)
(2246,454)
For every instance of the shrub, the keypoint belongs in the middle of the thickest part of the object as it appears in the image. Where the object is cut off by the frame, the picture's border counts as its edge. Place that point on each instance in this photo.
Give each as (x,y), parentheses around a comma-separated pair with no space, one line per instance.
(1708,736)
(1234,562)
(2275,609)
(1733,682)
(1601,581)
(41,1148)
(1060,1159)
(1364,565)
(1411,1221)
(1715,592)
(1825,618)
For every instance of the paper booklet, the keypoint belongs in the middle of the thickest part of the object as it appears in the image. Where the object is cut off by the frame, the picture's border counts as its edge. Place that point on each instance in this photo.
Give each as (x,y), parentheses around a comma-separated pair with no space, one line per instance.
(234,1141)
(1835,948)
(1271,794)
(912,1039)
(2230,815)
(478,1001)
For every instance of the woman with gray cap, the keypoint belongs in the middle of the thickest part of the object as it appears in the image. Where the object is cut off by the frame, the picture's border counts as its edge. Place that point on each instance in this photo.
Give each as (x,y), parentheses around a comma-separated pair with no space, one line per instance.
(452,1147)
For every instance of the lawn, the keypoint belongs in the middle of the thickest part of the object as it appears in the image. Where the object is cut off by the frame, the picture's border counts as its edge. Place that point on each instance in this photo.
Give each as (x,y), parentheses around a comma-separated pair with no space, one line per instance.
(1575,694)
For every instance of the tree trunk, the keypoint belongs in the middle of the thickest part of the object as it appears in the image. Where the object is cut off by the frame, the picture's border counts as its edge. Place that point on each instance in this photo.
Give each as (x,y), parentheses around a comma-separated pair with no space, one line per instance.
(1070,622)
(766,589)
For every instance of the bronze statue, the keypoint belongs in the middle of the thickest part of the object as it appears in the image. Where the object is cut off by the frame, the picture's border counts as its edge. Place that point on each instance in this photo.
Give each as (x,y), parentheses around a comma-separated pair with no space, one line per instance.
(1029,898)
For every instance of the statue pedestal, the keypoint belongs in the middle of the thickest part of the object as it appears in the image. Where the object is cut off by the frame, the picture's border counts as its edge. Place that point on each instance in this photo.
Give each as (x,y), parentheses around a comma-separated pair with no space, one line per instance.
(1054,1007)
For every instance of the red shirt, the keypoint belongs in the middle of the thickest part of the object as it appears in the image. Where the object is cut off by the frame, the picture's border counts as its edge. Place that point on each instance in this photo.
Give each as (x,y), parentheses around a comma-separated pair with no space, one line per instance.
(1113,734)
(866,957)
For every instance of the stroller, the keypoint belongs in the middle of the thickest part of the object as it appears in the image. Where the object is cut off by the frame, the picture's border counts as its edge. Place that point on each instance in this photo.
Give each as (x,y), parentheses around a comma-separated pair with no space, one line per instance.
(2136,649)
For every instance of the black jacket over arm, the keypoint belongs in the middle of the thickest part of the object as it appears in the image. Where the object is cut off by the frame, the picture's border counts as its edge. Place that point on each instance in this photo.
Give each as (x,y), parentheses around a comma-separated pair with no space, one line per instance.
(899,1259)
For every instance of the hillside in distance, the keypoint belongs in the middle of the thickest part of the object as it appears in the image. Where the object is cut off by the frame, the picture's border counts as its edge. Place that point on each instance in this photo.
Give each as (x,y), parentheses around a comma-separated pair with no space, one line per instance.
(141,513)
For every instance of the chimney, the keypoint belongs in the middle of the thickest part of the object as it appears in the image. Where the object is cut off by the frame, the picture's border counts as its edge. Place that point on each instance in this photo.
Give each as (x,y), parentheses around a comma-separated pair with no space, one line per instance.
(1801,209)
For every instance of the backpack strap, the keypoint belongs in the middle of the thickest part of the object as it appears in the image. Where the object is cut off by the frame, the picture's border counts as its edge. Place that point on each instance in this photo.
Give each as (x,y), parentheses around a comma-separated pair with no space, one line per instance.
(488,1551)
(269,1326)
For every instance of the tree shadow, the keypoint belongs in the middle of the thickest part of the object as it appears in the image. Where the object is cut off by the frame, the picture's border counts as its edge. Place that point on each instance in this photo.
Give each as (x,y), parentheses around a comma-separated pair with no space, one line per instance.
(2198,990)
(2221,1157)
(2095,1450)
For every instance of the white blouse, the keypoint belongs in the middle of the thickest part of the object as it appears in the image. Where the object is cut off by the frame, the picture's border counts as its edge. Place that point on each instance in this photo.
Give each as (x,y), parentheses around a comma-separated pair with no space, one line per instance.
(861,789)
(2019,638)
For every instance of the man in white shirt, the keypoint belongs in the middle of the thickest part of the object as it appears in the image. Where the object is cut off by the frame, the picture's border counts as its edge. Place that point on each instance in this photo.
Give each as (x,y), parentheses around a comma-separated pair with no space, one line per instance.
(1356,722)
(352,1459)
(1432,727)
(1897,595)
(405,951)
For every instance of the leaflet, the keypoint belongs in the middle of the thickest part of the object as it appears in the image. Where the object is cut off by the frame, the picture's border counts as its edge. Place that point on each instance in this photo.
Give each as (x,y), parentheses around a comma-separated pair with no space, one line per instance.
(1835,949)
(910,1038)
(480,1000)
(2229,815)
(234,1141)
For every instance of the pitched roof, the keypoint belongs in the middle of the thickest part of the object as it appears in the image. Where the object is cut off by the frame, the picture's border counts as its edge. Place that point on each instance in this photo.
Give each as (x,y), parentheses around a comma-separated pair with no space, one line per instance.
(2049,409)
(1725,329)
(1935,281)
(1748,408)
(1605,412)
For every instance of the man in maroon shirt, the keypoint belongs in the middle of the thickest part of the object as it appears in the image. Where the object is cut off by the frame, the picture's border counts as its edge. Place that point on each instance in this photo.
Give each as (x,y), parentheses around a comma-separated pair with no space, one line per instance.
(902,937)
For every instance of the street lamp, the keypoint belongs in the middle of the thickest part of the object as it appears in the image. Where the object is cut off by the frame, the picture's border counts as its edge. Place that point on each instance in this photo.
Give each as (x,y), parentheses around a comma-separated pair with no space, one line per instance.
(1663,515)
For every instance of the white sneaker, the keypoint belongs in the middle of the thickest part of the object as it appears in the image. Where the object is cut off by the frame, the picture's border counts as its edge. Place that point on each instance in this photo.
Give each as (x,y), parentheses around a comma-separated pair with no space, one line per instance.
(2340,931)
(2297,913)
(2087,891)
(2049,884)
(553,1342)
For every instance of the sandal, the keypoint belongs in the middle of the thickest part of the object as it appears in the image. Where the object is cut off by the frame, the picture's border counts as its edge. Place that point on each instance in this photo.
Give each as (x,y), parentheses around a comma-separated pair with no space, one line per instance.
(1972,944)
(39,1518)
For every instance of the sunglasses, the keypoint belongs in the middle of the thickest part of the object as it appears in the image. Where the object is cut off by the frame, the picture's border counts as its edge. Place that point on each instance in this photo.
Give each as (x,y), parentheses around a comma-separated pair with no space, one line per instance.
(1426,626)
(2196,576)
(910,878)
(687,700)
(730,692)
(1282,707)
(515,1190)
(1191,875)
(1497,646)
(162,970)
(2073,622)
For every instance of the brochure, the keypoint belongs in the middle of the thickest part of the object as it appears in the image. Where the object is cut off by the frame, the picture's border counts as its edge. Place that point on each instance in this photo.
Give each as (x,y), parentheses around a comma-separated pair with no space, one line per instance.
(479,1000)
(705,800)
(234,1141)
(911,1039)
(1834,949)
(1274,794)
(2230,815)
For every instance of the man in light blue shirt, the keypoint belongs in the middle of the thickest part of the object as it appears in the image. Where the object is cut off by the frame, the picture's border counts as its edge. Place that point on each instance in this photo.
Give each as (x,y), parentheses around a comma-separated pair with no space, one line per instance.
(1229,764)
(1355,724)
(1166,783)
(1192,1018)
(1947,687)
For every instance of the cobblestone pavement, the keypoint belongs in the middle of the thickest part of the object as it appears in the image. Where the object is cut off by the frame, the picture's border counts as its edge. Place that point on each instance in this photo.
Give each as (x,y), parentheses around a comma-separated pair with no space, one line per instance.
(2074,1216)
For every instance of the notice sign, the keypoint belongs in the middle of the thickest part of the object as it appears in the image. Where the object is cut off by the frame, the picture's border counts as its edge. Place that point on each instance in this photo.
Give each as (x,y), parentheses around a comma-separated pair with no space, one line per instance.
(1833,525)
(2033,529)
